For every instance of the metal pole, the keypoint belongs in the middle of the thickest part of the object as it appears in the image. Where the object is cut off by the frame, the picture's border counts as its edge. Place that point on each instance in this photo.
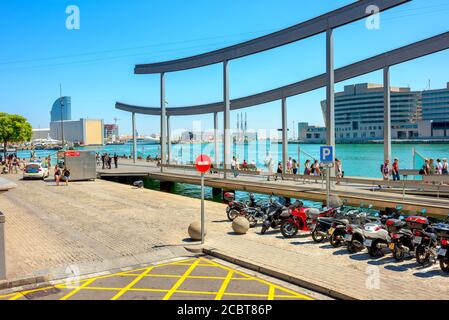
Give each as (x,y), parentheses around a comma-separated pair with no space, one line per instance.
(330,99)
(2,248)
(328,187)
(168,141)
(62,117)
(202,208)
(134,137)
(217,161)
(227,118)
(284,136)
(387,115)
(163,122)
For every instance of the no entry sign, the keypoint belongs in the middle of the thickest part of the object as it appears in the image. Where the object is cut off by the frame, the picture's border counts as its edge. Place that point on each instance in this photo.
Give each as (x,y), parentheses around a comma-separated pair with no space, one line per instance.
(203,163)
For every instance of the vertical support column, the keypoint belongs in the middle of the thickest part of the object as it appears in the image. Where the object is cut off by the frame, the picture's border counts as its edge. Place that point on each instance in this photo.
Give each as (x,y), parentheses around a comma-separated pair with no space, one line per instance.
(330,99)
(163,123)
(284,136)
(168,140)
(217,159)
(2,248)
(134,137)
(387,115)
(227,118)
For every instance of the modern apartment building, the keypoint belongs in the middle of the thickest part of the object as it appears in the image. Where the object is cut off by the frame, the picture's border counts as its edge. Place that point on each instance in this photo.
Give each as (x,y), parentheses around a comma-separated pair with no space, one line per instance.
(62,109)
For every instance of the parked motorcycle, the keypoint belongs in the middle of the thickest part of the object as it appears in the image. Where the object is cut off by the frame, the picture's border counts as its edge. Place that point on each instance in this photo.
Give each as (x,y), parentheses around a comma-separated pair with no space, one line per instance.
(354,235)
(277,212)
(300,218)
(237,208)
(425,239)
(442,232)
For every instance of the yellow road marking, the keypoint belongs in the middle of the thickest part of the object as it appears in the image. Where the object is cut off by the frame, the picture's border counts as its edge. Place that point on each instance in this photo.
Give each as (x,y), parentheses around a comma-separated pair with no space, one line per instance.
(7,295)
(181,280)
(271,290)
(224,285)
(135,281)
(85,284)
(262,281)
(17,296)
(189,277)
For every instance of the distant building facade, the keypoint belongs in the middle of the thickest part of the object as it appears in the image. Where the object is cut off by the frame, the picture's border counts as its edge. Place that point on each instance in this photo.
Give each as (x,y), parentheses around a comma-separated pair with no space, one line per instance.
(111,132)
(63,112)
(40,134)
(87,132)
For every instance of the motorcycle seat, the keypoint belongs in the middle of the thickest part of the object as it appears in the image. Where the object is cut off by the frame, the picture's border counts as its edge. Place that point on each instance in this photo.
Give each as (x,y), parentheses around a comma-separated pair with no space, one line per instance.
(325,219)
(342,221)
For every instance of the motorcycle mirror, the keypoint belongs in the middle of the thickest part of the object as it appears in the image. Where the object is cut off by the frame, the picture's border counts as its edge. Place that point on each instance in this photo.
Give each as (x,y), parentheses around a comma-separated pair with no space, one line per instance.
(423,211)
(370,206)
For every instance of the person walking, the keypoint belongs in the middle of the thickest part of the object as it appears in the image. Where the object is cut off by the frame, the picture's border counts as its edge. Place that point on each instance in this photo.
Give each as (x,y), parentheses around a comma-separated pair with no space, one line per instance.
(289,165)
(66,174)
(395,170)
(431,167)
(439,167)
(279,171)
(445,166)
(386,170)
(57,175)
(338,170)
(116,160)
(234,167)
(307,169)
(269,164)
(295,166)
(103,159)
(425,170)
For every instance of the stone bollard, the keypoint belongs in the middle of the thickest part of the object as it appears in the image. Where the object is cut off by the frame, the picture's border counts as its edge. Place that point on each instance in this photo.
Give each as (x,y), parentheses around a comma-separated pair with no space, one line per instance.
(195,231)
(2,248)
(240,225)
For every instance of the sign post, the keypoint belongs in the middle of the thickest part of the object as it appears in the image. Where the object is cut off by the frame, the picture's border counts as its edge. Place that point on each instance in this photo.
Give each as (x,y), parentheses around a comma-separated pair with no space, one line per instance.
(2,248)
(202,164)
(327,158)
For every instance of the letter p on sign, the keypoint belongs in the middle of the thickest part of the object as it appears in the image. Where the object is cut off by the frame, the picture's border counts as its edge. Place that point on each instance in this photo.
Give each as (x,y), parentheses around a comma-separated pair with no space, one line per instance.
(327,154)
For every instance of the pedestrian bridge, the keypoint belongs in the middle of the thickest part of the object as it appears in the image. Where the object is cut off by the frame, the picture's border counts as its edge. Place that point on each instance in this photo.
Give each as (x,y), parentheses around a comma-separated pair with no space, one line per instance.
(413,195)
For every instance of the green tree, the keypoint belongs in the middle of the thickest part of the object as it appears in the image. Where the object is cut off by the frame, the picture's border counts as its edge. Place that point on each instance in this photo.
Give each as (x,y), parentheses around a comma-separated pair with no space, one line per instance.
(14,129)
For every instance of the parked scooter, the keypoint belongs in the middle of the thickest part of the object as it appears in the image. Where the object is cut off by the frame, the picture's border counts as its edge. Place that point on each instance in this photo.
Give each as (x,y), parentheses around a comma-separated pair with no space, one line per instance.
(237,208)
(300,218)
(425,239)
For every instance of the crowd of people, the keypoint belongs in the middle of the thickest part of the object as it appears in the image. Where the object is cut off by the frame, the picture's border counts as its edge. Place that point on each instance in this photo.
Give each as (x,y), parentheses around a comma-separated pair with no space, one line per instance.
(106,159)
(430,167)
(11,164)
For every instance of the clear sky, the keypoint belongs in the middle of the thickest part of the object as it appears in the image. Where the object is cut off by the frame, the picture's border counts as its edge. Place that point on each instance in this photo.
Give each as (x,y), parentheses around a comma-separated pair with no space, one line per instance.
(95,64)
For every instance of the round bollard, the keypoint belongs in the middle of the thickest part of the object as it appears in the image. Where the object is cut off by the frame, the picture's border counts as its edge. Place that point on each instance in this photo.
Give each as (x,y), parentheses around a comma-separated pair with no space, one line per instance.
(195,231)
(240,225)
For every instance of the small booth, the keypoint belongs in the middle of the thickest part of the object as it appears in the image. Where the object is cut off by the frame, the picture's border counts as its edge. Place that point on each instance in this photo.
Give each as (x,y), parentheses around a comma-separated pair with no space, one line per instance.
(81,164)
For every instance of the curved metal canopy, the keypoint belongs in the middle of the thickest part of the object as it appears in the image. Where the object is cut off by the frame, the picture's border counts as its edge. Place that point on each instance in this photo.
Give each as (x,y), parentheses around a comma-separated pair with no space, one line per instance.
(390,58)
(337,18)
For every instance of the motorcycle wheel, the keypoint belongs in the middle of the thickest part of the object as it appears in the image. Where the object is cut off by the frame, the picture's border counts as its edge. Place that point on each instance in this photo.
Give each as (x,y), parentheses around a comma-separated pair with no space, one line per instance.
(316,237)
(422,256)
(398,254)
(264,229)
(374,251)
(351,247)
(233,214)
(289,229)
(444,264)
(334,241)
(252,221)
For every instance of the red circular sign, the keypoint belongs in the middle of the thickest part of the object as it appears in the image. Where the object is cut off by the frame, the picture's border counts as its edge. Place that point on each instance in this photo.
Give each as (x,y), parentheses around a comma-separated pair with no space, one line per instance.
(203,163)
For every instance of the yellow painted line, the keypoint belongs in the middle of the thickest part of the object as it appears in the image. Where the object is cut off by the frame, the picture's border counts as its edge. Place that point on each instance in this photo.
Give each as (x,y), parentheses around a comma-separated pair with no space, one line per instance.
(17,296)
(7,295)
(135,281)
(85,284)
(224,285)
(181,280)
(189,264)
(189,277)
(263,281)
(271,291)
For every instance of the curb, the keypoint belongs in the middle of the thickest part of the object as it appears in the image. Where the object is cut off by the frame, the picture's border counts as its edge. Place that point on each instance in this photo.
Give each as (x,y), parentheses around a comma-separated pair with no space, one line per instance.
(14,283)
(269,271)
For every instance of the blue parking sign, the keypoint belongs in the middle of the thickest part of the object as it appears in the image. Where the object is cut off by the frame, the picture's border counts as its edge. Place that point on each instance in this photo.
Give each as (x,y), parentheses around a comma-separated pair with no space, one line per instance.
(327,154)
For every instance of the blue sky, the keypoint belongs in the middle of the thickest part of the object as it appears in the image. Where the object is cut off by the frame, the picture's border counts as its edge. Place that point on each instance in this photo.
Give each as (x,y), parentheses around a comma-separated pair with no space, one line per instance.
(95,64)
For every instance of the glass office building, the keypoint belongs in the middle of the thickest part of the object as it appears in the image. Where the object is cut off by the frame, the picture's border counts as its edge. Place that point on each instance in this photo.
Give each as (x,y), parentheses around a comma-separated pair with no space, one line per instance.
(63,112)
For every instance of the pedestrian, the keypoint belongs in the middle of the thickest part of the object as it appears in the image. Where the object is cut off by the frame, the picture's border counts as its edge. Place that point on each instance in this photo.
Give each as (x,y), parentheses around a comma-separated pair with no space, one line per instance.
(57,174)
(103,159)
(315,170)
(425,170)
(445,166)
(431,167)
(439,167)
(66,174)
(307,169)
(269,165)
(15,165)
(116,160)
(234,167)
(395,170)
(339,173)
(295,166)
(289,165)
(279,171)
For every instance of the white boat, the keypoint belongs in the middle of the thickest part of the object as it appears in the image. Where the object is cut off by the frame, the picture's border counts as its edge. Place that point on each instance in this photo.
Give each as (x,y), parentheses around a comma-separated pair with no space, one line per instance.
(144,141)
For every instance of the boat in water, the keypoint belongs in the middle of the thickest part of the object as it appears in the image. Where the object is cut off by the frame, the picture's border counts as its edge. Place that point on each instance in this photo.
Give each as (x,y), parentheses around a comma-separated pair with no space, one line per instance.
(143,141)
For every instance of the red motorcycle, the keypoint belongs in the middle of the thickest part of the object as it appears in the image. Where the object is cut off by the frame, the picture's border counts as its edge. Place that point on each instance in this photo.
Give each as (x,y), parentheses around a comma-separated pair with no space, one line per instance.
(303,219)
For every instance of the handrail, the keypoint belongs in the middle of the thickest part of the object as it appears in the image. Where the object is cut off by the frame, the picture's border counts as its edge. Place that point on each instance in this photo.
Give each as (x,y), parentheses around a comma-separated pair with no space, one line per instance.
(337,18)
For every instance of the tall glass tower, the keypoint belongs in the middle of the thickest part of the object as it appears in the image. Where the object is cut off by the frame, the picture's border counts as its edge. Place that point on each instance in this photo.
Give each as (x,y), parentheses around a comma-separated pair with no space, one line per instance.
(66,109)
